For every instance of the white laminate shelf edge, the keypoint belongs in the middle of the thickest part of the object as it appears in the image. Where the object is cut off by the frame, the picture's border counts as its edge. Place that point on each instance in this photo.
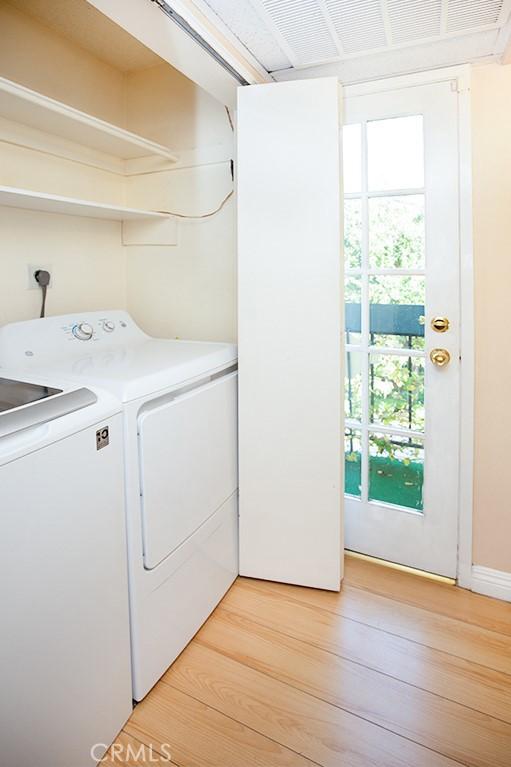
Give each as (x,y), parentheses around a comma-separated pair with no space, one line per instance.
(23,105)
(52,203)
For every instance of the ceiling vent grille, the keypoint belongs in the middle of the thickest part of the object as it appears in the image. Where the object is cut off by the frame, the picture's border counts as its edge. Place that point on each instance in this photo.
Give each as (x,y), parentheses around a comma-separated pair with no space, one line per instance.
(359,26)
(414,20)
(300,33)
(469,14)
(304,28)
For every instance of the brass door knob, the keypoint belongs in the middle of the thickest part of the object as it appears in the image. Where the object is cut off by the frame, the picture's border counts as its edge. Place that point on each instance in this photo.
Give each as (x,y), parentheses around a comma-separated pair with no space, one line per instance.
(440,357)
(440,324)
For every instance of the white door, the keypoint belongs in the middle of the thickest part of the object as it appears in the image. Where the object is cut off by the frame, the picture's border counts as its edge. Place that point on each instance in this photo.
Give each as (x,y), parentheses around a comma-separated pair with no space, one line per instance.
(290,383)
(401,292)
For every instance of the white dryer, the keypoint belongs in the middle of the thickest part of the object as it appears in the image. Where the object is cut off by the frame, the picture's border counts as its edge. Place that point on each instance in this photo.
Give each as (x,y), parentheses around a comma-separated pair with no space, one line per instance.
(180,423)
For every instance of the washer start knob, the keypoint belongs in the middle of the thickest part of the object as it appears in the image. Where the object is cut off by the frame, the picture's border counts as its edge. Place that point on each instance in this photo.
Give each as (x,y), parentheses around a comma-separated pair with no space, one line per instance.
(83,331)
(108,326)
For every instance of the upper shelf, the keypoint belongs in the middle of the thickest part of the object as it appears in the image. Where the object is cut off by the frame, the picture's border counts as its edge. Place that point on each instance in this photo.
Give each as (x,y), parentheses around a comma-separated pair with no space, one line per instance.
(25,106)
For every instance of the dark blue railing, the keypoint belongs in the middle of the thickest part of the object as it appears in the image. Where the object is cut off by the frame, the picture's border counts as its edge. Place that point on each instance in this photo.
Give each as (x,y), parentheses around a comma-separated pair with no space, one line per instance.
(385,319)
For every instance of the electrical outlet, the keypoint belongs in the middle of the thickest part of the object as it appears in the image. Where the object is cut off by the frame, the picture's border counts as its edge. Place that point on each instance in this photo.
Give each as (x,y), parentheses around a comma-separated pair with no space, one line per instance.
(32,284)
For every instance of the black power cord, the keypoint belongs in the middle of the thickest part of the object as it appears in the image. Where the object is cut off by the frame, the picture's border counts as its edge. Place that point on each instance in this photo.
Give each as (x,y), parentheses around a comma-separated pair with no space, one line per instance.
(42,277)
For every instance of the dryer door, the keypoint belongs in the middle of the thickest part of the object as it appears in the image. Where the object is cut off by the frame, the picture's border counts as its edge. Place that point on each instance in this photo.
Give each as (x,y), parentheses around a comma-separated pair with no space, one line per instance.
(188,463)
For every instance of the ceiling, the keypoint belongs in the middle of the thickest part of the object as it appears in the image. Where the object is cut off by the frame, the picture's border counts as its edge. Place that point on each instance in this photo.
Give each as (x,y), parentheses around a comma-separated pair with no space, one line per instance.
(359,39)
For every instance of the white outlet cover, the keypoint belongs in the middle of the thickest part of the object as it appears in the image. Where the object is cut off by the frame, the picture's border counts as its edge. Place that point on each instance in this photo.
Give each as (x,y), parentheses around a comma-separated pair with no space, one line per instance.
(32,284)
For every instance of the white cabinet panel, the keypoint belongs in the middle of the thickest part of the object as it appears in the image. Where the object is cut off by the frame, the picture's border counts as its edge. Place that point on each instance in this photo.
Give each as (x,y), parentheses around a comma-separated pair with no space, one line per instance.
(290,301)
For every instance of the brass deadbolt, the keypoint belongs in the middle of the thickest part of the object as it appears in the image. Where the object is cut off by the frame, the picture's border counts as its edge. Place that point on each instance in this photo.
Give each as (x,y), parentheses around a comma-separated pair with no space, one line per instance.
(440,324)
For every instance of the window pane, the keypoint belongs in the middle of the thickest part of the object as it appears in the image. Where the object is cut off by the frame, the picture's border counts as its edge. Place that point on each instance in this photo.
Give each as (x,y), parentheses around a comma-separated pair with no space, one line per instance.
(352,462)
(352,312)
(353,386)
(395,150)
(396,391)
(352,158)
(352,234)
(396,470)
(396,232)
(396,317)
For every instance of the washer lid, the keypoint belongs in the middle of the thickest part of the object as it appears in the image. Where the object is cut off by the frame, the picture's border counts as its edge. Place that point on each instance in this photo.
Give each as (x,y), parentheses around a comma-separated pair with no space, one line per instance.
(44,409)
(15,393)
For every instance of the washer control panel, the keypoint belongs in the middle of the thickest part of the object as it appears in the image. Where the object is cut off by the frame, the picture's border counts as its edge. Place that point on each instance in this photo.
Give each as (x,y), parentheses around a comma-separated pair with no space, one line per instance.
(83,331)
(68,334)
(93,329)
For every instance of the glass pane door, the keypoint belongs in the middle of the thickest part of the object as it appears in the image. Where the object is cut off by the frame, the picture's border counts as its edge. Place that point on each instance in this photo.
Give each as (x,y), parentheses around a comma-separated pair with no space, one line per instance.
(393,399)
(385,310)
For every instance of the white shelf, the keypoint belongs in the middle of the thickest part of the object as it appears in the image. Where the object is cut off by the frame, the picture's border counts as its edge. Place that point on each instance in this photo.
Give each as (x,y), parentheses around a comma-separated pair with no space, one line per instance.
(28,107)
(52,203)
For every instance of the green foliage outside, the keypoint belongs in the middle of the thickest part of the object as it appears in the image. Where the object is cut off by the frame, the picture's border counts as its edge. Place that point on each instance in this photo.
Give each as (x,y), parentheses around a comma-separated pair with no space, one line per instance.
(396,385)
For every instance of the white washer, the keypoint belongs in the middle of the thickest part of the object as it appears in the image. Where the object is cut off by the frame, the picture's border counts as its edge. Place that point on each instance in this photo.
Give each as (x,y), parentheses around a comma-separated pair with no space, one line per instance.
(64,640)
(180,419)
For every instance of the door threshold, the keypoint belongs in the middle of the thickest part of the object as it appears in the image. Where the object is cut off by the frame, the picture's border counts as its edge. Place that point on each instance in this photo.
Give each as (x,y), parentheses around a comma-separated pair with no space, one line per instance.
(402,568)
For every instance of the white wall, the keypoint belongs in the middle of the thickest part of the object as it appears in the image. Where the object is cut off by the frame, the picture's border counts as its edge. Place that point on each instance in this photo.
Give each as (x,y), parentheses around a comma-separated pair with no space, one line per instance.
(491,131)
(167,107)
(86,257)
(40,172)
(187,290)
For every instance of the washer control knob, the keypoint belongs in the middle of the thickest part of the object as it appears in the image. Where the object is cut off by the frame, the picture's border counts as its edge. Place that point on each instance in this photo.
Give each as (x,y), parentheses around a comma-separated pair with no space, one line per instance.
(108,326)
(83,331)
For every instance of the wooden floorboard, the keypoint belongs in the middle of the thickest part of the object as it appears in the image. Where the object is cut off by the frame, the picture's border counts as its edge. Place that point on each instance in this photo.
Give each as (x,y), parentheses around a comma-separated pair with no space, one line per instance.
(200,736)
(308,725)
(444,674)
(332,677)
(395,671)
(464,733)
(440,598)
(475,644)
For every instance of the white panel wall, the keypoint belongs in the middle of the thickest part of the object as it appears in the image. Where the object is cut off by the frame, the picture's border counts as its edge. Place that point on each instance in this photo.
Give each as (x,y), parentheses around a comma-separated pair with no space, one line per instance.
(289,327)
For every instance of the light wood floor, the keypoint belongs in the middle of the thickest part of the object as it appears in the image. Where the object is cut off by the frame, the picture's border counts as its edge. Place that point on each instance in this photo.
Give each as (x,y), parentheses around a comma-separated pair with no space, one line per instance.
(395,671)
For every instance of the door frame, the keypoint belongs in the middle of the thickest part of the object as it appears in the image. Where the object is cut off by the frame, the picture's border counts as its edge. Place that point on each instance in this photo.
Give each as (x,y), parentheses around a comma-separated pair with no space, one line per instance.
(460,76)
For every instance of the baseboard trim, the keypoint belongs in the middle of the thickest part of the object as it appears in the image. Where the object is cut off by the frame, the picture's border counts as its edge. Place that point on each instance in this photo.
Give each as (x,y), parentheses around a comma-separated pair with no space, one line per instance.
(491,583)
